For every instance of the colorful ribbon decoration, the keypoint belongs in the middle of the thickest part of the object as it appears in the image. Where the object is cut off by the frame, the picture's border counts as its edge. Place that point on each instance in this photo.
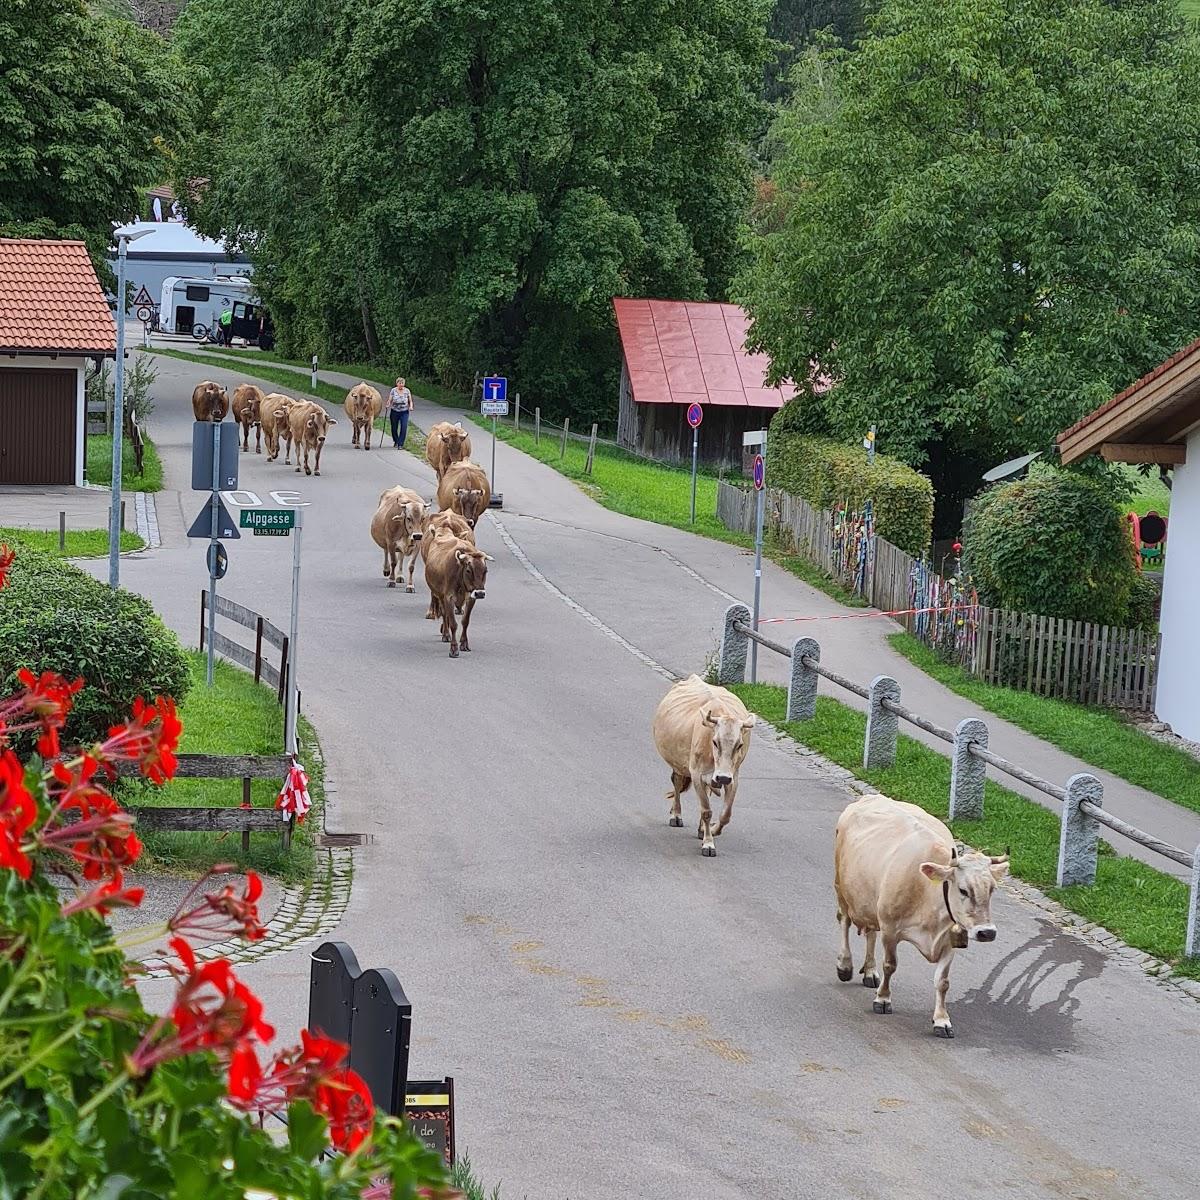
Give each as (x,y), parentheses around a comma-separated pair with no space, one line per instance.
(294,798)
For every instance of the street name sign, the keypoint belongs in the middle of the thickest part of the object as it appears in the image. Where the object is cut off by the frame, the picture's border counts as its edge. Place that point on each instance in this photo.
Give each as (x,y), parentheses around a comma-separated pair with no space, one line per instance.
(494,408)
(279,521)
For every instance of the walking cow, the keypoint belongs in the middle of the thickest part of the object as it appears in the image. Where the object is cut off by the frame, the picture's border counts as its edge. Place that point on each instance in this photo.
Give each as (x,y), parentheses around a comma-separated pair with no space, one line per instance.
(446,444)
(247,412)
(456,572)
(210,402)
(464,488)
(434,524)
(309,424)
(702,733)
(363,404)
(398,527)
(886,856)
(275,420)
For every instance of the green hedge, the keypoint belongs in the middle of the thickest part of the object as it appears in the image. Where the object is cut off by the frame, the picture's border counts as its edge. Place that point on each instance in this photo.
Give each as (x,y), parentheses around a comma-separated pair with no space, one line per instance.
(828,473)
(55,617)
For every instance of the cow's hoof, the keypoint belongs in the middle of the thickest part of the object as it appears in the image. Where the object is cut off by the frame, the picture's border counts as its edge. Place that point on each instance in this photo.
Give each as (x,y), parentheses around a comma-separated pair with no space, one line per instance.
(871,981)
(708,851)
(297,470)
(881,1007)
(844,973)
(408,587)
(445,637)
(944,1031)
(464,647)
(675,822)
(317,472)
(391,583)
(453,651)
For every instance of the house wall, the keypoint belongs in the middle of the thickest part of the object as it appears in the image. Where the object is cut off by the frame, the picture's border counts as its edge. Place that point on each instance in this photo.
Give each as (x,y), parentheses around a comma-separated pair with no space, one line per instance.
(661,431)
(37,362)
(1178,699)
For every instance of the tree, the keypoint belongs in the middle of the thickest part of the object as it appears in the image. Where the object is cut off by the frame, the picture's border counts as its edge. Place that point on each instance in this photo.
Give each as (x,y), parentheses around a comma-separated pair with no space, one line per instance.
(89,103)
(985,223)
(796,24)
(468,185)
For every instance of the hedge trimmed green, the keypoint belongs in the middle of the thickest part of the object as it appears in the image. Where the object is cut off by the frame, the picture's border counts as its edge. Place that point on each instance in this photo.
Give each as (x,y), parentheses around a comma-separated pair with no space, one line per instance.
(828,474)
(1054,544)
(55,617)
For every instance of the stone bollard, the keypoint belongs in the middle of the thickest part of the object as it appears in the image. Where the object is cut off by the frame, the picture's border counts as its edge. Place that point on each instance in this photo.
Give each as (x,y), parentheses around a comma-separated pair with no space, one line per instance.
(735,646)
(1191,946)
(967,773)
(802,688)
(883,726)
(1080,834)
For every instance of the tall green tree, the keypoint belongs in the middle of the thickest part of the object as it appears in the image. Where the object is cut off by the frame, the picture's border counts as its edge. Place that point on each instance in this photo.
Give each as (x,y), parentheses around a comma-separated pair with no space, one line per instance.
(986,221)
(797,24)
(89,104)
(464,184)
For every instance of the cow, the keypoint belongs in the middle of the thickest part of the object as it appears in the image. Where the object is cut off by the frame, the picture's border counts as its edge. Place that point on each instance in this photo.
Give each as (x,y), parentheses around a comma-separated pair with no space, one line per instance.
(274,419)
(445,444)
(456,572)
(702,733)
(210,402)
(887,854)
(309,424)
(247,412)
(398,527)
(464,488)
(434,524)
(363,404)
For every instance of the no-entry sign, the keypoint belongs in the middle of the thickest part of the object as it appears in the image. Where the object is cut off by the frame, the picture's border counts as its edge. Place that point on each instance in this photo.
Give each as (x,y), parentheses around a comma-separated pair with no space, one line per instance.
(695,415)
(760,472)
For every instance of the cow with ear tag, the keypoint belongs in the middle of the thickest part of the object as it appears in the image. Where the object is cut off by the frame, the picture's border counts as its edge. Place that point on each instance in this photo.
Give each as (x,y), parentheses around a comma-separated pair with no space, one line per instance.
(900,877)
(702,733)
(456,572)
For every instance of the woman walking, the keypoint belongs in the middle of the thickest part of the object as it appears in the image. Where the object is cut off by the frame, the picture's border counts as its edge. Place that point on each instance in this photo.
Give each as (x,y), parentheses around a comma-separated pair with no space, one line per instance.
(399,405)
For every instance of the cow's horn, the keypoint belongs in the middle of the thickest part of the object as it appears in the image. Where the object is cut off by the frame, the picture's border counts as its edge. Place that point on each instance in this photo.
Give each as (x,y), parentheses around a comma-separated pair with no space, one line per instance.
(1000,858)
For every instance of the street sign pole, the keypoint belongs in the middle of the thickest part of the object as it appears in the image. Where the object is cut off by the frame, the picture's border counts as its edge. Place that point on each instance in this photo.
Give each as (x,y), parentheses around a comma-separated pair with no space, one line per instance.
(695,451)
(214,542)
(760,485)
(294,640)
(493,475)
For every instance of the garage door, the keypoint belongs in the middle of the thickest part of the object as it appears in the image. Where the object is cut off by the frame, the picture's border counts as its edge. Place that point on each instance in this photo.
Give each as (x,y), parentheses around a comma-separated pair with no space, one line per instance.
(37,426)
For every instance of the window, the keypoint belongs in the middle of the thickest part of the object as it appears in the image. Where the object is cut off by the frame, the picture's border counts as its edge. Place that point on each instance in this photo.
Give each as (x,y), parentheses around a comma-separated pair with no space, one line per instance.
(195,292)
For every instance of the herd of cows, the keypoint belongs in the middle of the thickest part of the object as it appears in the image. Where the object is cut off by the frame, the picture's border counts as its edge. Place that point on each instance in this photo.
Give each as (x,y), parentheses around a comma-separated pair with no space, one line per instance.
(899,876)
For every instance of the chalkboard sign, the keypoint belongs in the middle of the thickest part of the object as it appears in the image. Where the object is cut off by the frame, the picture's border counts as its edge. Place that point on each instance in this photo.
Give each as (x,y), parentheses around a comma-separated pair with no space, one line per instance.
(429,1111)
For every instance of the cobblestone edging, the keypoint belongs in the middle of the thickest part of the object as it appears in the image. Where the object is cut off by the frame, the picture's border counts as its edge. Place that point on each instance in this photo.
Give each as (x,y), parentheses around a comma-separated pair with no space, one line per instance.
(147,519)
(1119,951)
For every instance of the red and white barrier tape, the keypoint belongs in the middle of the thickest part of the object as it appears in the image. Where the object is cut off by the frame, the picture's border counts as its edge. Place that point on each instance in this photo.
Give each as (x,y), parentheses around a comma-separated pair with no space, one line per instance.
(895,612)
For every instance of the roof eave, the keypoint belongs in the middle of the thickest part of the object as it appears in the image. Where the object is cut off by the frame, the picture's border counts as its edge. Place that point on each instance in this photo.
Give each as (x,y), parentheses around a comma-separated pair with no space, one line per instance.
(59,351)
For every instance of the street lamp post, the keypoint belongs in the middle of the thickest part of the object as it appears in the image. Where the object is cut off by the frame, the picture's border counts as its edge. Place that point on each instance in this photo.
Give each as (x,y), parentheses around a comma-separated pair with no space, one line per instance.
(118,422)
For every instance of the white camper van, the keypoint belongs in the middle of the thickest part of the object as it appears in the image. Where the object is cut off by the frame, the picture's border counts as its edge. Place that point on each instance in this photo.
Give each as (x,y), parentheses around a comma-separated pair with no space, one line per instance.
(189,303)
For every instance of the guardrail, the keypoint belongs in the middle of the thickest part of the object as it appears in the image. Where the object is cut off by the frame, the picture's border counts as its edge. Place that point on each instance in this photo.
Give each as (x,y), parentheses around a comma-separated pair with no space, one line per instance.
(1082,798)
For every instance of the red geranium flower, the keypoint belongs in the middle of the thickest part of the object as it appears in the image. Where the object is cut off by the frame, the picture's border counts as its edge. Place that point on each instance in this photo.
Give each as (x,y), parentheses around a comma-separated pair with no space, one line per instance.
(18,811)
(222,912)
(345,1102)
(6,561)
(105,897)
(294,1074)
(150,739)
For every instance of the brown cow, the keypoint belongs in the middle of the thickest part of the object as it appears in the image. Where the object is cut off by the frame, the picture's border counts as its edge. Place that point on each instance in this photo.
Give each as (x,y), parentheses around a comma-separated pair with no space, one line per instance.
(456,573)
(274,414)
(465,489)
(886,856)
(398,527)
(309,423)
(434,524)
(247,412)
(210,402)
(445,444)
(702,733)
(363,404)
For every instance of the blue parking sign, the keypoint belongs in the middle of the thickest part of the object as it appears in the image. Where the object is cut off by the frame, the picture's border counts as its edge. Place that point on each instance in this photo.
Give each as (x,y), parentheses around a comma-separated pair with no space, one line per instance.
(495,387)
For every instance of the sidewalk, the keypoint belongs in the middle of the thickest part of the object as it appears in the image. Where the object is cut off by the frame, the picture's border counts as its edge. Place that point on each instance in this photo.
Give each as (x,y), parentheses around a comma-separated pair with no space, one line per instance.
(857,648)
(39,507)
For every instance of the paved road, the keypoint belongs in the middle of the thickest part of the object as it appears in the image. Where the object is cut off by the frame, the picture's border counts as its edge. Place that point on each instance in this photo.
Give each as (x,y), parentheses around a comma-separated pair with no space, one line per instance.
(622,1017)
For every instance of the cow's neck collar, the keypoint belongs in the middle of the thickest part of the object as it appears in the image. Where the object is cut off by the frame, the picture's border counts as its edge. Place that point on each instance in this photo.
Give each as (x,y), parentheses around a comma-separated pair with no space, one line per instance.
(958,935)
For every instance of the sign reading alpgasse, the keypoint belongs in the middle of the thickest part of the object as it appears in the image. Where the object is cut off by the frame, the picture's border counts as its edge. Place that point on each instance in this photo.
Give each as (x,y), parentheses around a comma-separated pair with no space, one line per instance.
(269,521)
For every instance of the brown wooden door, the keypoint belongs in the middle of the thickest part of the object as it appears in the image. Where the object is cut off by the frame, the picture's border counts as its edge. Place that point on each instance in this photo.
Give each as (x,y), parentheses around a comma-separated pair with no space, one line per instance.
(37,426)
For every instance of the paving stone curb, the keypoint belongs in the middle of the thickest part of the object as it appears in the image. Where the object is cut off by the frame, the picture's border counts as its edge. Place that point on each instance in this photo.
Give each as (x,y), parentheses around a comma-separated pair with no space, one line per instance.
(1120,952)
(146,514)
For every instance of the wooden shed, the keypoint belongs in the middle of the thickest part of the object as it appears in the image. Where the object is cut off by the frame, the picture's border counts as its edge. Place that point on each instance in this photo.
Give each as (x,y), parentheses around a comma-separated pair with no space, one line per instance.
(675,353)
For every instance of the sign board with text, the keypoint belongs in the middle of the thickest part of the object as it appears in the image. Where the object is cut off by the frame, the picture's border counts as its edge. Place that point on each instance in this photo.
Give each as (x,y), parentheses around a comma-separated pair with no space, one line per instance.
(268,520)
(494,408)
(429,1111)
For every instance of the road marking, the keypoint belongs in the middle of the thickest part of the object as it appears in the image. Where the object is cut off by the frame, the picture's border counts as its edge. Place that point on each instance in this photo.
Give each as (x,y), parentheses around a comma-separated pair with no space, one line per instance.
(575,606)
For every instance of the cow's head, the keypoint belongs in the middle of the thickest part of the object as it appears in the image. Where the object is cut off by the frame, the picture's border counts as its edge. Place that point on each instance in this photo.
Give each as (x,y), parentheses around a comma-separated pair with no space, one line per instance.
(727,734)
(473,565)
(470,503)
(967,883)
(455,439)
(412,519)
(214,401)
(317,423)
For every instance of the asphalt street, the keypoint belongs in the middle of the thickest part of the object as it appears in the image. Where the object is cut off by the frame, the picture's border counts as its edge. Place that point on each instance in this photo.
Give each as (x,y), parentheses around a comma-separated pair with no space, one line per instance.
(623,1017)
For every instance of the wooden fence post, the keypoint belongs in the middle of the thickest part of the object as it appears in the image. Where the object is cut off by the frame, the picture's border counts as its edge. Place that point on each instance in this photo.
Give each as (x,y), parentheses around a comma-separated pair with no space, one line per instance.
(246,804)
(258,649)
(563,450)
(591,454)
(518,413)
(62,532)
(203,608)
(537,426)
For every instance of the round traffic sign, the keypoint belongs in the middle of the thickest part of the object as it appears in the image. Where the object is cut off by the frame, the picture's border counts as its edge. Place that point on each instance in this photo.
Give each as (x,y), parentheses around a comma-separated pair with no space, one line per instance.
(218,560)
(695,415)
(144,313)
(760,472)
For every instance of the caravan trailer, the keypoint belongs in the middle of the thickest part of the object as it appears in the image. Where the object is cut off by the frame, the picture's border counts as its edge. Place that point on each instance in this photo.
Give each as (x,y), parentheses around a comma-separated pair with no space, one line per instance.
(189,305)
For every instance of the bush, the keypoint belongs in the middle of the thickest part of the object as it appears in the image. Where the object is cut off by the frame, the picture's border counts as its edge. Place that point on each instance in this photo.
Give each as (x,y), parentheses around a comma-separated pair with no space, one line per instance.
(55,617)
(828,473)
(1145,600)
(1053,544)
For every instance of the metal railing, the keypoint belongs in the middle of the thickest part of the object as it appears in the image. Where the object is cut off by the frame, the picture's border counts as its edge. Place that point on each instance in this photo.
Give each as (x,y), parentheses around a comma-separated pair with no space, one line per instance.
(1082,798)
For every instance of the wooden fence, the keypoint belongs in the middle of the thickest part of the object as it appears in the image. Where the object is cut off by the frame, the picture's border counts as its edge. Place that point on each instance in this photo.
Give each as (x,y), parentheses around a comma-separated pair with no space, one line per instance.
(1072,660)
(254,660)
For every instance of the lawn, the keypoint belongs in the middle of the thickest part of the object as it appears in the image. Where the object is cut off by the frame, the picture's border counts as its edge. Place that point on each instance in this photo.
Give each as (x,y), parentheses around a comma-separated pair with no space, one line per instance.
(99,464)
(1091,734)
(1144,907)
(1152,493)
(80,543)
(1190,8)
(234,716)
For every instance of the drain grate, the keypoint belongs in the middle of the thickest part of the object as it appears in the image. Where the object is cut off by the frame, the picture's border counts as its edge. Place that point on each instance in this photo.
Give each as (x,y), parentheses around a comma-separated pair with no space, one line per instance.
(337,841)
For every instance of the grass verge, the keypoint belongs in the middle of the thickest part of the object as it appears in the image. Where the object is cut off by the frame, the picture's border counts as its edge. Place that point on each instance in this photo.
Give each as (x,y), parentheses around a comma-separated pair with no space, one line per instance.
(234,716)
(1144,907)
(80,543)
(662,494)
(1091,734)
(98,467)
(328,393)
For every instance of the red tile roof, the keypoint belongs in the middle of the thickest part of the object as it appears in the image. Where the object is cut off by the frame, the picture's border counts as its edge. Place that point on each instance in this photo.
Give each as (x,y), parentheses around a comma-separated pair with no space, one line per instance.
(51,300)
(678,352)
